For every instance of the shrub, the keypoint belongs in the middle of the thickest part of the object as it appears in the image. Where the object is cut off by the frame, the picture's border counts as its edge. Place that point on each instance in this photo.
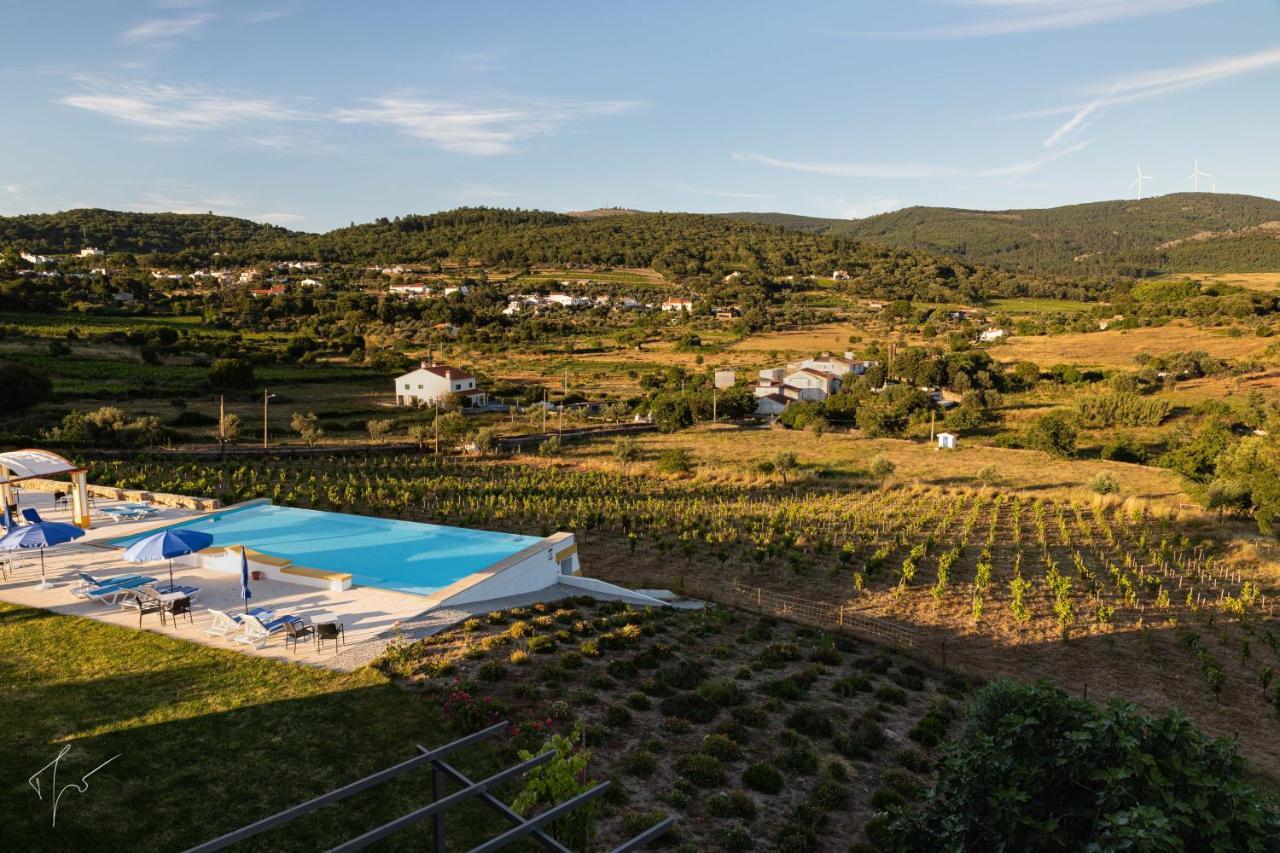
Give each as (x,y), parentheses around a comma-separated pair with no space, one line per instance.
(1103,483)
(472,625)
(787,689)
(1063,755)
(733,730)
(541,644)
(850,686)
(883,798)
(617,716)
(735,837)
(722,692)
(685,675)
(621,669)
(688,706)
(571,660)
(811,722)
(491,671)
(639,762)
(639,702)
(519,657)
(701,769)
(519,629)
(914,760)
(721,747)
(892,695)
(1053,433)
(677,460)
(800,756)
(763,778)
(590,648)
(830,796)
(734,804)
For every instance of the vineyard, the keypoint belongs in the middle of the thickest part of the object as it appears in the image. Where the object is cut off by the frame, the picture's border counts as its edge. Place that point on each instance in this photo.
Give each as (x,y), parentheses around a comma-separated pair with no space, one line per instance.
(1102,600)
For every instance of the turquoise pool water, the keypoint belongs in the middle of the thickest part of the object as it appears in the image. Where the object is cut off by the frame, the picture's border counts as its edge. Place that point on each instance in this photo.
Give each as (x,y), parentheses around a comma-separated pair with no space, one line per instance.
(401,555)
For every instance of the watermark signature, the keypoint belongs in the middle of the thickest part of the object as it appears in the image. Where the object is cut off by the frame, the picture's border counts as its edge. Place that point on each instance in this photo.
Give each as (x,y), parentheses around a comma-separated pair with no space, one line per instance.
(54,790)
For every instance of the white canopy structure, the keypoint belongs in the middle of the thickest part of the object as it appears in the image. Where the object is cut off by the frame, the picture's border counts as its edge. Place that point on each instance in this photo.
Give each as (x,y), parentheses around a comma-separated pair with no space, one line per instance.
(19,465)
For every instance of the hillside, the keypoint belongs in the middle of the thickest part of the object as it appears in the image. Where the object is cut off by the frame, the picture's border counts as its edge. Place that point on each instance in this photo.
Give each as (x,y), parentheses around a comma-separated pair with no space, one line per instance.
(682,246)
(795,222)
(118,231)
(1178,232)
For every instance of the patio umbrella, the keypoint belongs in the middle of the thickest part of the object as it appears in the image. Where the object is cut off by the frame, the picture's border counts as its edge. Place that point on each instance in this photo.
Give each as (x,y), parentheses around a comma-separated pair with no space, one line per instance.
(245,593)
(8,517)
(167,544)
(45,534)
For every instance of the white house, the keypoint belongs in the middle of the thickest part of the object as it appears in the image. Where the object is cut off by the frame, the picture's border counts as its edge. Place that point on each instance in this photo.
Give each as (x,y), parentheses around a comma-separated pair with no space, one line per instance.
(310,282)
(409,291)
(35,259)
(840,275)
(567,301)
(432,382)
(992,335)
(773,374)
(946,441)
(678,305)
(813,384)
(771,404)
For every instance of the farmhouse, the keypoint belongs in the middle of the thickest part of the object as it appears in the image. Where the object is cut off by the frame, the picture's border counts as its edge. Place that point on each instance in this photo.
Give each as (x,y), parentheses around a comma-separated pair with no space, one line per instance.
(811,384)
(771,405)
(989,336)
(91,252)
(409,291)
(432,383)
(273,290)
(840,275)
(677,305)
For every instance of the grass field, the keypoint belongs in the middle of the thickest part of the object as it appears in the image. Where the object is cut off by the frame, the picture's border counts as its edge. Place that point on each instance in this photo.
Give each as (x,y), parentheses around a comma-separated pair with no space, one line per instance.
(630,277)
(1117,348)
(216,737)
(1266,282)
(1038,306)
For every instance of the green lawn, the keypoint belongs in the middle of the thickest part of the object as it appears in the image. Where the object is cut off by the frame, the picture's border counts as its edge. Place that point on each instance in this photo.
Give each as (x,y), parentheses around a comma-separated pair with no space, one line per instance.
(208,739)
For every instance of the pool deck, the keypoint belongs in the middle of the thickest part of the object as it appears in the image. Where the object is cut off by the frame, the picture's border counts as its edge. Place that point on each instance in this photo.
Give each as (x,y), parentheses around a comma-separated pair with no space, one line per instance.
(372,617)
(368,614)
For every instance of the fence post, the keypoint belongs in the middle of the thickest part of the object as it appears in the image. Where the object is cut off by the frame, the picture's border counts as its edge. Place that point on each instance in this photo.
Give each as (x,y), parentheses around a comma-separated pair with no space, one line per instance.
(841,615)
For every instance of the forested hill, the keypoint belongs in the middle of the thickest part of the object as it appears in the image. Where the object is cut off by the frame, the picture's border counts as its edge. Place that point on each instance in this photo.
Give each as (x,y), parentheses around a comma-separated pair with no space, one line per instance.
(118,231)
(813,224)
(1178,232)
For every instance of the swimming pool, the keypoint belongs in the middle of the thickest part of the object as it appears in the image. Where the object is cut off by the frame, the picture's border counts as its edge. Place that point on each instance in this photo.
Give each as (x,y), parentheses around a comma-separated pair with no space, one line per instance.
(405,556)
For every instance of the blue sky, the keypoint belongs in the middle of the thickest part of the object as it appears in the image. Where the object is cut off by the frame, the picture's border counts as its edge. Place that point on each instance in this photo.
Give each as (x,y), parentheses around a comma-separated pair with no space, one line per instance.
(316,114)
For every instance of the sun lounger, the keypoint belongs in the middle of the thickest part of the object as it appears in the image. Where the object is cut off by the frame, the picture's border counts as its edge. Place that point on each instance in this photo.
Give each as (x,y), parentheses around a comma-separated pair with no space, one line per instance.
(89,583)
(226,624)
(32,516)
(255,632)
(112,593)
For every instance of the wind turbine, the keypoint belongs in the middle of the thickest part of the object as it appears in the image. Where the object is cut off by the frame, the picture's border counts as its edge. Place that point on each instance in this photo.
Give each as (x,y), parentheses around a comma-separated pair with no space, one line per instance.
(1196,175)
(1138,183)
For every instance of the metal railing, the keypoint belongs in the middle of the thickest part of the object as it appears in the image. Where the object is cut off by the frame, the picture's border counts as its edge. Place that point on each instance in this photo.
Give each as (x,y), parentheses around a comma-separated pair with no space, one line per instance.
(839,616)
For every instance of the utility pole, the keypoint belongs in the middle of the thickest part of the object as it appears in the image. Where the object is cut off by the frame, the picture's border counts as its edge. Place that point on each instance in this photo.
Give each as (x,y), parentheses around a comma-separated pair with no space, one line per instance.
(544,410)
(715,416)
(436,422)
(933,419)
(222,417)
(265,398)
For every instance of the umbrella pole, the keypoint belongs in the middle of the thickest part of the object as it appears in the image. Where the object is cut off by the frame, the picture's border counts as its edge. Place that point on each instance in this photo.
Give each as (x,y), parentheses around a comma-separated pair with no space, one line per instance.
(44,583)
(171,574)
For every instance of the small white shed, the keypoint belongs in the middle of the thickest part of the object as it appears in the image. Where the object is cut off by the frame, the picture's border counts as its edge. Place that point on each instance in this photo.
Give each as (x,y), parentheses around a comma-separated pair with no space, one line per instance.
(947,441)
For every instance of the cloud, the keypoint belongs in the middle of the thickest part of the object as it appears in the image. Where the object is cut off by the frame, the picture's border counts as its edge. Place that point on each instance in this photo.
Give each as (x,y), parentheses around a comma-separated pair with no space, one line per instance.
(265,15)
(909,170)
(1028,16)
(869,205)
(12,189)
(746,196)
(278,218)
(163,30)
(161,202)
(173,107)
(474,129)
(1151,84)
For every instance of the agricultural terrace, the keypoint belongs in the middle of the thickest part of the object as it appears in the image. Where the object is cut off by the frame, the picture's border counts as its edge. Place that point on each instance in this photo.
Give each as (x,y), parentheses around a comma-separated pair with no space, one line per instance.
(743,727)
(1118,348)
(1014,582)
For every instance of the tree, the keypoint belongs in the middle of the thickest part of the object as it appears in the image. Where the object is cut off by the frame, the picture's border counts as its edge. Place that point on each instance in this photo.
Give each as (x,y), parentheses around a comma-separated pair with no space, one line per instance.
(227,433)
(677,460)
(881,468)
(307,427)
(485,440)
(379,428)
(1104,483)
(1036,769)
(626,450)
(784,464)
(231,374)
(22,387)
(421,433)
(671,412)
(1053,433)
(453,427)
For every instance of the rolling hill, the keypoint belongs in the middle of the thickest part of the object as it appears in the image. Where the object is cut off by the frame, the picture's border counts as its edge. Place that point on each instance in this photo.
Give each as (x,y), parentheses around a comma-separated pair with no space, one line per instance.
(1180,232)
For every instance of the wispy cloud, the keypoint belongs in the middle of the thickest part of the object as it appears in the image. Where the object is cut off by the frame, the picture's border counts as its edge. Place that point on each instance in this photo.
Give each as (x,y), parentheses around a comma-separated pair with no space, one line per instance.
(278,218)
(263,16)
(1013,17)
(173,107)
(1151,84)
(869,205)
(910,170)
(736,194)
(472,128)
(163,30)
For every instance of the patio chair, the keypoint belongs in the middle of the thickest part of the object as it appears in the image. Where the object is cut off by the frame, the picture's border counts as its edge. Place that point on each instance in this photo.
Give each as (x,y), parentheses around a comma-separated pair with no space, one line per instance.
(32,516)
(191,592)
(254,632)
(330,631)
(5,567)
(177,606)
(295,630)
(61,500)
(145,600)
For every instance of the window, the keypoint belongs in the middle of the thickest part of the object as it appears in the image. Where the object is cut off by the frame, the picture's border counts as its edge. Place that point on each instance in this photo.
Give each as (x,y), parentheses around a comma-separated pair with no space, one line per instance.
(457,386)
(406,386)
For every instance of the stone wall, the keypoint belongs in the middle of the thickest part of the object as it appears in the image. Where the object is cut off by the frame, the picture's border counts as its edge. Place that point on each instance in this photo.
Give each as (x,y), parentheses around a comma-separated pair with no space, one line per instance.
(131,495)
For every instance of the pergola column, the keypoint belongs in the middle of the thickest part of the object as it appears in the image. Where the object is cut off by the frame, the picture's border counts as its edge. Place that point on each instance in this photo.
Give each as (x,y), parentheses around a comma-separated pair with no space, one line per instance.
(80,499)
(6,490)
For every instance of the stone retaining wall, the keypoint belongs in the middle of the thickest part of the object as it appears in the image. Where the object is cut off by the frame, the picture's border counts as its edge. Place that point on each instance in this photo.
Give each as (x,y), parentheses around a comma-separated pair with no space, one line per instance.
(131,495)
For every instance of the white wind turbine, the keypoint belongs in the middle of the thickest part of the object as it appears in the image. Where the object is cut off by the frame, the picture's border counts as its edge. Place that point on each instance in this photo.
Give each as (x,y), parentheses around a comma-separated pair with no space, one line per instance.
(1138,183)
(1196,175)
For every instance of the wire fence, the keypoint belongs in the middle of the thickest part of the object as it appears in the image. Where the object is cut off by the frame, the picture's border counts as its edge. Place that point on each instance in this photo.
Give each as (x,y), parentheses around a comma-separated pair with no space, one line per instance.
(823,614)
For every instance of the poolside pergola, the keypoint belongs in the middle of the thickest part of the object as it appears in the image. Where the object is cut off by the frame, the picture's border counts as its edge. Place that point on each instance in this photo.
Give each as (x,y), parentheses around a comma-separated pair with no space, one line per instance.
(19,465)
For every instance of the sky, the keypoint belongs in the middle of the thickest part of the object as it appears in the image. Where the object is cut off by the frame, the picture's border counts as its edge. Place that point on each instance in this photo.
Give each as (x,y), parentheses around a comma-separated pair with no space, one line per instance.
(313,115)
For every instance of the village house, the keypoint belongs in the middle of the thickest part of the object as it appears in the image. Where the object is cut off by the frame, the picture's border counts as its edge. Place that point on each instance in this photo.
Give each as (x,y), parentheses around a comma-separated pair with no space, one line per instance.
(840,275)
(265,292)
(35,259)
(310,282)
(810,384)
(432,383)
(678,305)
(91,252)
(771,405)
(409,291)
(989,336)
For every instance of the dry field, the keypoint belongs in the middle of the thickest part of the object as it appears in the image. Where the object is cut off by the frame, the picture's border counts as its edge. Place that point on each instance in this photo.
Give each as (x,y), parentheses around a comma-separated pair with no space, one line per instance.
(1118,348)
(1267,282)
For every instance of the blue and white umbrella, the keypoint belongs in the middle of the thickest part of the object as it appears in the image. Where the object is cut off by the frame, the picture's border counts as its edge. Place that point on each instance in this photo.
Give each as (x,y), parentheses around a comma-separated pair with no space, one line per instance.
(245,592)
(167,544)
(45,534)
